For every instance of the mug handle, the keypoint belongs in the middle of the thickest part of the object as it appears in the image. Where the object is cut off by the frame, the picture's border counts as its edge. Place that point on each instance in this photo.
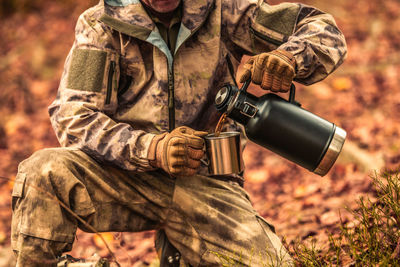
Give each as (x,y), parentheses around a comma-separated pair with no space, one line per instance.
(205,160)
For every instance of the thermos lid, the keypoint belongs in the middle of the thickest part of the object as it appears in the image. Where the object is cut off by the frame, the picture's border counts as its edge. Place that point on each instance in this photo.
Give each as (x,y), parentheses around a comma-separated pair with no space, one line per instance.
(224,97)
(332,152)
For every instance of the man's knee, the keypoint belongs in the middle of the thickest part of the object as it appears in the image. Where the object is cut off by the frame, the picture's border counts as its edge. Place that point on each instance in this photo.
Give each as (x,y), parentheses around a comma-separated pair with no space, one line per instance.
(48,170)
(44,181)
(47,161)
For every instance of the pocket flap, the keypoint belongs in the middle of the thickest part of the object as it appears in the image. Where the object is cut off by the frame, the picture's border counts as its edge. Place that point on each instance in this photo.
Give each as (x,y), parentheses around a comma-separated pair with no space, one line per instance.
(19,185)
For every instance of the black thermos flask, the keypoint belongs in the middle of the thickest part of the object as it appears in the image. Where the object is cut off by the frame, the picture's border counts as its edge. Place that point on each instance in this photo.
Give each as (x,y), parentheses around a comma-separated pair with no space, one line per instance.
(284,127)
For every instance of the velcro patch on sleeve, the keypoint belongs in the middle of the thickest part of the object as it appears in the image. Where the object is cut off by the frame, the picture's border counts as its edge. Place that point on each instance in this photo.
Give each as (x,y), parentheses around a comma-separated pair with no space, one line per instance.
(86,71)
(279,20)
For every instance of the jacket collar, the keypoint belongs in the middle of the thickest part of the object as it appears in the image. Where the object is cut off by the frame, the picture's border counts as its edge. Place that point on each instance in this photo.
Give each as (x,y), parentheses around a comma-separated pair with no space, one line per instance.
(129,16)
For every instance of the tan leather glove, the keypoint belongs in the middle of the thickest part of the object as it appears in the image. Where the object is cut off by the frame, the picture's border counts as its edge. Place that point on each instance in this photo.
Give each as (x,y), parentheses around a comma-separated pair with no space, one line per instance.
(179,152)
(272,71)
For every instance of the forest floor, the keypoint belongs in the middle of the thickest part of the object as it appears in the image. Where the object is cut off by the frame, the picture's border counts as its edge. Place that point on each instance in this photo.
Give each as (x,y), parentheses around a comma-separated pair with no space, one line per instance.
(361,97)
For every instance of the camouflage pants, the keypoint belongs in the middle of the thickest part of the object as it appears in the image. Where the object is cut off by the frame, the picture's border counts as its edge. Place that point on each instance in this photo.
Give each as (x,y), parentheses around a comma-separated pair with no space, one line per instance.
(204,218)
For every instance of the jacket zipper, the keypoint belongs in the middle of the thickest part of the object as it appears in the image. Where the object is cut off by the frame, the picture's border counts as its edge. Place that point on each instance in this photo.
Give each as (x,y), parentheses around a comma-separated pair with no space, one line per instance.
(111,71)
(266,38)
(171,97)
(171,101)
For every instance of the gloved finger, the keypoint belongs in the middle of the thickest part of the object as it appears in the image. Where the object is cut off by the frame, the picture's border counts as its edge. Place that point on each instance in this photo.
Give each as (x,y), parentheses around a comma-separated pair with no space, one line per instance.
(183,130)
(248,66)
(176,162)
(187,141)
(246,74)
(279,75)
(175,171)
(195,153)
(187,131)
(290,72)
(287,80)
(195,142)
(269,74)
(276,83)
(193,164)
(281,70)
(267,81)
(200,133)
(177,140)
(177,150)
(258,69)
(286,85)
(272,64)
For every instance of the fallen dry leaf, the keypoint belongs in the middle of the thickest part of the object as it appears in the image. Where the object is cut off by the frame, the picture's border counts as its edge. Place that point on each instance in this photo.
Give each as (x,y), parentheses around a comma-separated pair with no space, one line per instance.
(330,218)
(256,176)
(342,83)
(108,237)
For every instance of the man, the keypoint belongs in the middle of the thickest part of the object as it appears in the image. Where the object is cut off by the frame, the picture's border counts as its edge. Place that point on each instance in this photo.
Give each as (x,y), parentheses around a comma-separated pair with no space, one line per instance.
(135,99)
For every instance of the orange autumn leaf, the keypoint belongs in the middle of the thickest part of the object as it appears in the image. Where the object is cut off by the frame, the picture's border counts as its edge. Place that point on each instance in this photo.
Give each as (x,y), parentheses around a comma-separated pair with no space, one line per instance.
(108,237)
(3,237)
(14,123)
(342,84)
(256,176)
(11,182)
(300,191)
(305,190)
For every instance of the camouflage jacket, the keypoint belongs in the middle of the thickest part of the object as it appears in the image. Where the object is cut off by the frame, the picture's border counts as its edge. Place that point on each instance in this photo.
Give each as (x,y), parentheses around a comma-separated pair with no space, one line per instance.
(121,85)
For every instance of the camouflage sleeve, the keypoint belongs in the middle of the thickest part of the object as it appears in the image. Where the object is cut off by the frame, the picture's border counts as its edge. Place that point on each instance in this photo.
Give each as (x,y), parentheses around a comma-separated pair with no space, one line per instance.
(308,33)
(86,99)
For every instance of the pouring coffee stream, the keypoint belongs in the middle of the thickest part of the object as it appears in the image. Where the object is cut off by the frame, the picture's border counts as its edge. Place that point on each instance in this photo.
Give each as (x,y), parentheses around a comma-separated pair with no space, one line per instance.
(283,127)
(220,123)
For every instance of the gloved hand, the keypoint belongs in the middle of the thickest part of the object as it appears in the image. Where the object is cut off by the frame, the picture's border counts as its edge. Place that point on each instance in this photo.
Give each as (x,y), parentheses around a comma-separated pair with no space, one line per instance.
(179,152)
(272,71)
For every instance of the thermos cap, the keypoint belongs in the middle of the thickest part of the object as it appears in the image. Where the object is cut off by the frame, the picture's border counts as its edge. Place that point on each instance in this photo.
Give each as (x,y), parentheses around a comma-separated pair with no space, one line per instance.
(225,97)
(332,152)
(222,96)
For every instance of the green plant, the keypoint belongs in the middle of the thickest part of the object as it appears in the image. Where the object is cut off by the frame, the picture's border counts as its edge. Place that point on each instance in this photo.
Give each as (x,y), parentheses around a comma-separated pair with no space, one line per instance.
(372,239)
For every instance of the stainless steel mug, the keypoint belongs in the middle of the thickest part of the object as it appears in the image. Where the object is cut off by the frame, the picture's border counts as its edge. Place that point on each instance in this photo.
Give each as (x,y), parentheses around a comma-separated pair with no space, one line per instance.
(224,153)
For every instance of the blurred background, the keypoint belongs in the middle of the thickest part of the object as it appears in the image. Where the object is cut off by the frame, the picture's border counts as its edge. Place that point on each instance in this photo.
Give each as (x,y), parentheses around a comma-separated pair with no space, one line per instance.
(362,97)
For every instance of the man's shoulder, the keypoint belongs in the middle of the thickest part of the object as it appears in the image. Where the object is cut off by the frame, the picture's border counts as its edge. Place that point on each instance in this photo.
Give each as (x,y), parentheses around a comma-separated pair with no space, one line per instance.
(93,13)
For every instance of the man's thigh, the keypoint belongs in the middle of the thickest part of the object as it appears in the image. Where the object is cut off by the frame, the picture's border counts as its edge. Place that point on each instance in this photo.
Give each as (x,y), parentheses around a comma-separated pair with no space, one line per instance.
(212,222)
(129,201)
(108,198)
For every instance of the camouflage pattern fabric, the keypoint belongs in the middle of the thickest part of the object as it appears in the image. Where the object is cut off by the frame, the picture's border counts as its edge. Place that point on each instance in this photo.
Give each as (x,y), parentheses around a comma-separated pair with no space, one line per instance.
(201,216)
